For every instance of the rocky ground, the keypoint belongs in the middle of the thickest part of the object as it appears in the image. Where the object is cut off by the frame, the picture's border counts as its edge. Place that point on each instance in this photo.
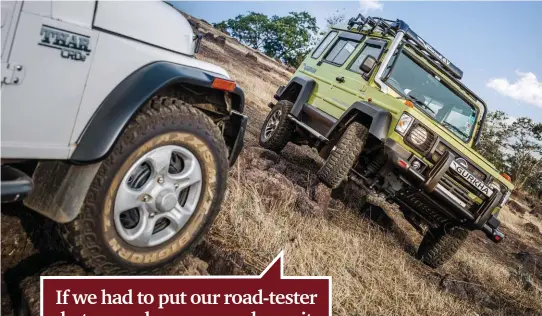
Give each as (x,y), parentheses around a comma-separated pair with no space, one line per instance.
(274,201)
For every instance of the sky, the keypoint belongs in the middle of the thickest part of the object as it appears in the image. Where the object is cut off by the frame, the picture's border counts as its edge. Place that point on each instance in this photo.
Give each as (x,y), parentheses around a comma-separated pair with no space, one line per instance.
(497,44)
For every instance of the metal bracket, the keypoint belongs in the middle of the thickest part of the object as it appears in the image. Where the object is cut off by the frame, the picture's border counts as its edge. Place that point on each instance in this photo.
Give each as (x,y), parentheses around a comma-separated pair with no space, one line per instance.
(12,73)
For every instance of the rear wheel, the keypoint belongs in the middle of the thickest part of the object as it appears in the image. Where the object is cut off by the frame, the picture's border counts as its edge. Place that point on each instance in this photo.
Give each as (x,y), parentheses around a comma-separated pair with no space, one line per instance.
(343,156)
(277,128)
(156,193)
(440,244)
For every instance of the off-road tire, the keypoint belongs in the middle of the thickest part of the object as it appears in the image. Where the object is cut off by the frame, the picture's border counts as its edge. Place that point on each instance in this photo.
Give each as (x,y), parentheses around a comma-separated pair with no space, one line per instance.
(281,136)
(440,245)
(342,158)
(92,237)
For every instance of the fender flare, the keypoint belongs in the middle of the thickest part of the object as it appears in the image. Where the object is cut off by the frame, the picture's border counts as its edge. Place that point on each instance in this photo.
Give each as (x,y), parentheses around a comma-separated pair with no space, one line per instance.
(375,118)
(110,119)
(307,86)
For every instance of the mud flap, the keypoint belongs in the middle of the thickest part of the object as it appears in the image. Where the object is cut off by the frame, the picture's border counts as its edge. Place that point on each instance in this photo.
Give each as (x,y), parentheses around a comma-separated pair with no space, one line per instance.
(60,189)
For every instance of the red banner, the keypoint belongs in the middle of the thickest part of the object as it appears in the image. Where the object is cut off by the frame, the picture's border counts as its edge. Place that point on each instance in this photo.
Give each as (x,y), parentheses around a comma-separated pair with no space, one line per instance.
(271,293)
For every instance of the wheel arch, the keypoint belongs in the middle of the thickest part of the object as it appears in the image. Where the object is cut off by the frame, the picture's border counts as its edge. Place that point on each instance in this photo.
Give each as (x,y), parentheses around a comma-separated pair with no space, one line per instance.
(376,119)
(109,120)
(297,91)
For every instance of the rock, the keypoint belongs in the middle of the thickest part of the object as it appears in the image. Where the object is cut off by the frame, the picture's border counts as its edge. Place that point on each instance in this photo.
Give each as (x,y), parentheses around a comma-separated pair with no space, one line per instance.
(195,266)
(254,153)
(291,69)
(322,195)
(251,56)
(262,164)
(221,40)
(467,290)
(265,68)
(531,263)
(202,20)
(195,24)
(279,168)
(531,228)
(209,36)
(517,207)
(305,205)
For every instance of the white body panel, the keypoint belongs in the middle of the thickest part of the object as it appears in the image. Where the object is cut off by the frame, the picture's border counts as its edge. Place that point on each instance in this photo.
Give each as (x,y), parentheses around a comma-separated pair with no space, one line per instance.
(74,12)
(38,114)
(10,13)
(43,8)
(152,22)
(115,59)
(45,114)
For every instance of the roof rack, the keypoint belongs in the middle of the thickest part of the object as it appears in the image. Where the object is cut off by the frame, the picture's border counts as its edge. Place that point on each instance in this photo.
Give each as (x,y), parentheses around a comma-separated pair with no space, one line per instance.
(390,27)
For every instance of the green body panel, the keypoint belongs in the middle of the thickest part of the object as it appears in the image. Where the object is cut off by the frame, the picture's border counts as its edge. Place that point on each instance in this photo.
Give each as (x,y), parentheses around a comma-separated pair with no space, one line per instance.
(334,98)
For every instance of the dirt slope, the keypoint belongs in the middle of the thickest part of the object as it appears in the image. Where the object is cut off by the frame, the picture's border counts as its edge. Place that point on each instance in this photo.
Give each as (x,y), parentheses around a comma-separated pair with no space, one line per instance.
(275,202)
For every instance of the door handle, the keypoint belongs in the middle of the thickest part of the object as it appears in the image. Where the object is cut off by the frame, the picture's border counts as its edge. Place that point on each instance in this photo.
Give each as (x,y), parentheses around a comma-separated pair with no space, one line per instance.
(340,79)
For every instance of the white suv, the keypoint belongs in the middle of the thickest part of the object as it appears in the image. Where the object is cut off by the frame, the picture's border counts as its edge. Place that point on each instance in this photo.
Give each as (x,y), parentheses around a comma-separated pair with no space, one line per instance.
(125,137)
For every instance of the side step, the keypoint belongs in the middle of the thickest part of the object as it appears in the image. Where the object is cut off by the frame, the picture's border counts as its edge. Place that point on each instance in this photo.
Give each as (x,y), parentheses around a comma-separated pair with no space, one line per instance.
(15,184)
(309,129)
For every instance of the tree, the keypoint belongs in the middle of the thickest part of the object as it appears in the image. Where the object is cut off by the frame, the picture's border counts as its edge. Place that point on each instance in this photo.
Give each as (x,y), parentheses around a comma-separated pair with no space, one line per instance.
(525,159)
(515,148)
(290,37)
(251,29)
(493,139)
(287,38)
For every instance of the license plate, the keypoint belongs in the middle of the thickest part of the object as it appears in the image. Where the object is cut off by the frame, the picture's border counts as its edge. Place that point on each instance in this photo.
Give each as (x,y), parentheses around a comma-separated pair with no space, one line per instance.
(465,174)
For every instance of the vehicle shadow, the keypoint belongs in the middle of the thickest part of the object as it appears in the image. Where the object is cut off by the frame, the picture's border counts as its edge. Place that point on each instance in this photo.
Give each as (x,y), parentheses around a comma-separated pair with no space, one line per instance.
(30,244)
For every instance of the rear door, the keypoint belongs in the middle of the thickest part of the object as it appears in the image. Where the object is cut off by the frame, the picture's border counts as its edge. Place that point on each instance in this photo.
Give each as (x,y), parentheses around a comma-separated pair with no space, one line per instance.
(354,85)
(312,67)
(332,67)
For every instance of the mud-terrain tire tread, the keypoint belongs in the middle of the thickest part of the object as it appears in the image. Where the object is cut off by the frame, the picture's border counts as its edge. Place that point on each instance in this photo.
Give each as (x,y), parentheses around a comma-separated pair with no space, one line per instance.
(440,245)
(79,236)
(280,138)
(342,159)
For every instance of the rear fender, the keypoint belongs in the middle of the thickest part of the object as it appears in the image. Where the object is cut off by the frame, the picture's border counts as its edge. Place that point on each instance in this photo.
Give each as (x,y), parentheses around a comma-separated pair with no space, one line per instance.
(298,91)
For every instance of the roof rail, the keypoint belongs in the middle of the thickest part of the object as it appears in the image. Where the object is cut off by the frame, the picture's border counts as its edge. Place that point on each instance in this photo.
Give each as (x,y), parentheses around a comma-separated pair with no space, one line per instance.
(390,27)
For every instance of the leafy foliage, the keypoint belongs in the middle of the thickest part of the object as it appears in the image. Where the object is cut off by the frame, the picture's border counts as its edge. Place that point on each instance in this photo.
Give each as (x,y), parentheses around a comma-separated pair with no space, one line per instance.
(287,38)
(514,147)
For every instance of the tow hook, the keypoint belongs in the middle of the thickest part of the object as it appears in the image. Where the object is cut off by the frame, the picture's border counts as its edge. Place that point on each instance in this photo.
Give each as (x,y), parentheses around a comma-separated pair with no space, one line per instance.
(496,236)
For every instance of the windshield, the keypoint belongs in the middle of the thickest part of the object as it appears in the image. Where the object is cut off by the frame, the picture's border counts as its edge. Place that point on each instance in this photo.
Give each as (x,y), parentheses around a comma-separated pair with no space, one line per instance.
(431,96)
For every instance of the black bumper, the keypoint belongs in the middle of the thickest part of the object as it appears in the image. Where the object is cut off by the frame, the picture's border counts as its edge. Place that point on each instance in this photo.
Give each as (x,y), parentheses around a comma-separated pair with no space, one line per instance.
(239,126)
(426,186)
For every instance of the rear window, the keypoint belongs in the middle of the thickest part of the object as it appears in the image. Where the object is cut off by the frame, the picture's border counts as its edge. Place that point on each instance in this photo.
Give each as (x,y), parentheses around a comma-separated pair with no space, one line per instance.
(324,44)
(341,51)
(370,49)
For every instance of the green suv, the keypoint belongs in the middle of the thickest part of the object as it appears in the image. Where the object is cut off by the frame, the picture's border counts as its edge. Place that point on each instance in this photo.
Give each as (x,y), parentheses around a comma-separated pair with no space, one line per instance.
(388,111)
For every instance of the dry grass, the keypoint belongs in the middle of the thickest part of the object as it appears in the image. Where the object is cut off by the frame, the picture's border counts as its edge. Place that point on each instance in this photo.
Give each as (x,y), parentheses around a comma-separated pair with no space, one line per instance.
(372,275)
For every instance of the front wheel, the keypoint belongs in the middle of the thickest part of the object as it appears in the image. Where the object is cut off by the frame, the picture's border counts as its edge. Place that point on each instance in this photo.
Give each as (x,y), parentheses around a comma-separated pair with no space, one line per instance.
(343,156)
(440,244)
(277,128)
(156,193)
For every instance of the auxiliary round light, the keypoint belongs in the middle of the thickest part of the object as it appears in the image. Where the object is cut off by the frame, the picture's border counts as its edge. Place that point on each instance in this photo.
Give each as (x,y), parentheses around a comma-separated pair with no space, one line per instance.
(419,136)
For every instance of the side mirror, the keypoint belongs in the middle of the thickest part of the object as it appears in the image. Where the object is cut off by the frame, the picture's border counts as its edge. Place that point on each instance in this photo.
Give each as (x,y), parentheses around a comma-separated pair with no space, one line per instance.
(368,64)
